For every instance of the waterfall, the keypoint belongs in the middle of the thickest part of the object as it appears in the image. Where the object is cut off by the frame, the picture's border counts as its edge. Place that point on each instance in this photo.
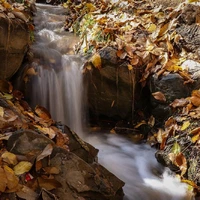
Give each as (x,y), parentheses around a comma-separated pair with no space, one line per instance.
(58,86)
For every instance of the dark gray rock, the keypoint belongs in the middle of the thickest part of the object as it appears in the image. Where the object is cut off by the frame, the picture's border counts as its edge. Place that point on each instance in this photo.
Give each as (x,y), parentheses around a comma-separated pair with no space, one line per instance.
(172,86)
(110,88)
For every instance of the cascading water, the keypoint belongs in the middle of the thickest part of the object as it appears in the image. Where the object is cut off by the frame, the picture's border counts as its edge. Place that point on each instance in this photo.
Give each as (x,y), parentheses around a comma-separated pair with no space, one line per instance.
(58,86)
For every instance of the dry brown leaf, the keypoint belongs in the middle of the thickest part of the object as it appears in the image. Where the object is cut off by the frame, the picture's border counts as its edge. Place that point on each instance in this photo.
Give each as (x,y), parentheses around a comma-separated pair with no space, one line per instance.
(42,112)
(1,111)
(48,184)
(179,103)
(195,131)
(46,152)
(196,93)
(181,162)
(195,100)
(51,170)
(3,178)
(121,54)
(159,96)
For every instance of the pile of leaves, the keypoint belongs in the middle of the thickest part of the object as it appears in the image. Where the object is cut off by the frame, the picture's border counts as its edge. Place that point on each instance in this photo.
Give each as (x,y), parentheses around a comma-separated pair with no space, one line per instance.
(144,35)
(26,175)
(22,11)
(179,140)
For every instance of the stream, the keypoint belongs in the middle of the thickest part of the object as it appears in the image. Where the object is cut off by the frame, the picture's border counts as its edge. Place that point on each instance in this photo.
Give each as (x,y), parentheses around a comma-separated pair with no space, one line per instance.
(58,86)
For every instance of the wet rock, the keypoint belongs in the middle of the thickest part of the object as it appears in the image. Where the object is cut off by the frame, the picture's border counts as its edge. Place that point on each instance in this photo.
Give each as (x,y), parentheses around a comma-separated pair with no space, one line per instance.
(77,146)
(110,88)
(81,181)
(172,86)
(14,40)
(78,179)
(27,142)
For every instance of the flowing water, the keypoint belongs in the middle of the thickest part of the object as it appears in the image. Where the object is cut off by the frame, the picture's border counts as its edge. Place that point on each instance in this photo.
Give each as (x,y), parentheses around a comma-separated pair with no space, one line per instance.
(58,86)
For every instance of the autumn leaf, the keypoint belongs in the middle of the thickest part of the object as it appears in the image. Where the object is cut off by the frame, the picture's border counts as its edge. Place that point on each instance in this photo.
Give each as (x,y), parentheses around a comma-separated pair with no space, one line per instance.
(1,111)
(195,100)
(46,152)
(179,103)
(12,180)
(185,125)
(22,167)
(48,184)
(96,60)
(42,112)
(159,96)
(51,170)
(176,148)
(3,178)
(181,162)
(9,158)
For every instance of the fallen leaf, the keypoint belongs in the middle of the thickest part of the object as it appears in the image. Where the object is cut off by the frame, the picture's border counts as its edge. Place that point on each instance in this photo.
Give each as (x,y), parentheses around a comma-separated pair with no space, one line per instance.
(185,125)
(96,60)
(159,96)
(31,71)
(3,178)
(46,152)
(195,100)
(22,167)
(51,170)
(176,148)
(48,184)
(9,158)
(179,103)
(195,138)
(12,179)
(42,112)
(1,111)
(181,162)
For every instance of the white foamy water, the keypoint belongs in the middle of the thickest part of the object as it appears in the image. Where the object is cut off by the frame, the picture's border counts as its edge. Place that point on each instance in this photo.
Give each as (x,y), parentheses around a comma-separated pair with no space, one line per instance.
(59,87)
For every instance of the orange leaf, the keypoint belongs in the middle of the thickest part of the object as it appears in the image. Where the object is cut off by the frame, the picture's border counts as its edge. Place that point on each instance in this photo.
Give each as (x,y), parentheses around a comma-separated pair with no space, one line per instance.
(42,112)
(159,96)
(195,100)
(179,103)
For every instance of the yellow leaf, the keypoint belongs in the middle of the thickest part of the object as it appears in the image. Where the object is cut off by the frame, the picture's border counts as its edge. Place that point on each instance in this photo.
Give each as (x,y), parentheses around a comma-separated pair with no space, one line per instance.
(90,7)
(22,167)
(9,158)
(176,148)
(13,180)
(3,179)
(31,71)
(130,67)
(185,125)
(195,138)
(152,28)
(1,111)
(96,60)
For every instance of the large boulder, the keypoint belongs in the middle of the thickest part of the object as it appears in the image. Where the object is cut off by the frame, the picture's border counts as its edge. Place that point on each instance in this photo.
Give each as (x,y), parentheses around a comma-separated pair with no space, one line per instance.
(14,40)
(110,87)
(77,177)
